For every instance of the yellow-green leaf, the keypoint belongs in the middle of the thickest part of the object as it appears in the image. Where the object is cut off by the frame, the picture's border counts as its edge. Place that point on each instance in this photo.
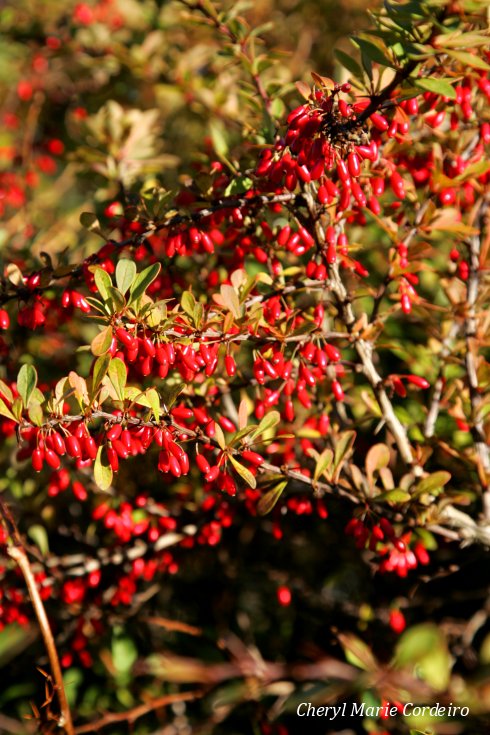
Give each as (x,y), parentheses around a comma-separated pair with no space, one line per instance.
(5,411)
(270,498)
(26,382)
(125,274)
(101,343)
(244,472)
(102,470)
(117,375)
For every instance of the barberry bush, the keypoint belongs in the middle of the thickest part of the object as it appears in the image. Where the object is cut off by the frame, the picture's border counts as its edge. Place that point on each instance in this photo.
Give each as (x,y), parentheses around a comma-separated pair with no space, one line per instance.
(244,395)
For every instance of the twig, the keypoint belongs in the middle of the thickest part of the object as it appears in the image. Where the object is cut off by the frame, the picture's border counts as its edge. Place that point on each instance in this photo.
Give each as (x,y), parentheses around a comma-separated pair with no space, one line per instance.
(17,552)
(435,400)
(134,714)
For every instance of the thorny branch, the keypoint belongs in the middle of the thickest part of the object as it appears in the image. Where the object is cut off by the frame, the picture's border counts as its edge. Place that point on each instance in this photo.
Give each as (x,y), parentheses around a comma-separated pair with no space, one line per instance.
(17,553)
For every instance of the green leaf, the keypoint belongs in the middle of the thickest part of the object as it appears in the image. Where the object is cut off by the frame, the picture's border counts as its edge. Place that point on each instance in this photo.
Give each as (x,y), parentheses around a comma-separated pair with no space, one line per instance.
(117,302)
(90,222)
(5,411)
(154,401)
(102,470)
(124,654)
(102,342)
(39,535)
(357,652)
(79,386)
(188,303)
(270,498)
(469,59)
(323,463)
(218,136)
(424,648)
(433,482)
(117,376)
(5,390)
(142,281)
(125,274)
(26,382)
(374,52)
(268,422)
(377,457)
(17,408)
(35,413)
(102,281)
(170,393)
(244,472)
(394,496)
(439,86)
(242,433)
(101,366)
(230,300)
(220,437)
(349,63)
(342,451)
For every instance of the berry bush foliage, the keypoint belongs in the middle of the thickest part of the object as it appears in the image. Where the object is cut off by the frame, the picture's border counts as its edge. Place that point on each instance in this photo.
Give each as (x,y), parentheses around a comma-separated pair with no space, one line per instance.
(244,387)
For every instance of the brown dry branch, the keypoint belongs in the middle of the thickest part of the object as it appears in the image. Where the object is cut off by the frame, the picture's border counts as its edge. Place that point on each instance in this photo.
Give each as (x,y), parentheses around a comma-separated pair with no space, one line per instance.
(130,716)
(17,553)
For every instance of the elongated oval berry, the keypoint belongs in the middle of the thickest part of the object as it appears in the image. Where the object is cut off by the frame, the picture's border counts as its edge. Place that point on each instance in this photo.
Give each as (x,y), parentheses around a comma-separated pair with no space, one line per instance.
(337,390)
(124,337)
(184,463)
(397,185)
(149,347)
(52,459)
(226,424)
(253,457)
(90,447)
(343,170)
(37,460)
(73,447)
(418,381)
(203,463)
(230,365)
(58,443)
(120,449)
(113,458)
(289,410)
(353,164)
(406,304)
(212,475)
(114,432)
(4,319)
(127,439)
(174,465)
(379,121)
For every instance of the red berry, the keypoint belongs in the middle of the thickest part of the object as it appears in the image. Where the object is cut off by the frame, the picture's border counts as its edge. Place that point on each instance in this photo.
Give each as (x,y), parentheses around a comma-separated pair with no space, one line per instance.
(397,621)
(230,365)
(284,595)
(73,447)
(4,319)
(37,460)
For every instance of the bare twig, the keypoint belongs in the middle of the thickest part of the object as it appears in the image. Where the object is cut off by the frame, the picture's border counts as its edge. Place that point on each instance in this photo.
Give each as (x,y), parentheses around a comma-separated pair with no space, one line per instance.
(130,716)
(16,551)
(435,399)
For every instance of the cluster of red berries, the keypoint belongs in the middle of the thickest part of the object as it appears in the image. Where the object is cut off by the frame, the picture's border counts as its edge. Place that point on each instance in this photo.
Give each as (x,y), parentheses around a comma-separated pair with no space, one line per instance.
(398,554)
